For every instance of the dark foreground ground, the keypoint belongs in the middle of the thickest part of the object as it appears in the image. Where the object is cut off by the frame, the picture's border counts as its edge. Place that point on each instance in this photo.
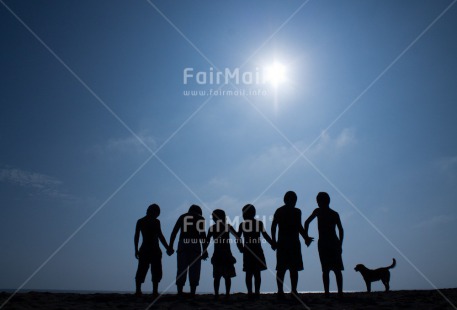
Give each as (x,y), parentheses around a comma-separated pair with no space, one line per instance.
(413,300)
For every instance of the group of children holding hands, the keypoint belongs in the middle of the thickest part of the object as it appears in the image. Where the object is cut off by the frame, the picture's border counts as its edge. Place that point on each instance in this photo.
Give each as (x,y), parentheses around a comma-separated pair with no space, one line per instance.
(193,243)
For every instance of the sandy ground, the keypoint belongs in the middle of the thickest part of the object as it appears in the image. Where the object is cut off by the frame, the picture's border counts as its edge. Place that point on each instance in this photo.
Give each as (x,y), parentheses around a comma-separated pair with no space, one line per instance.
(379,300)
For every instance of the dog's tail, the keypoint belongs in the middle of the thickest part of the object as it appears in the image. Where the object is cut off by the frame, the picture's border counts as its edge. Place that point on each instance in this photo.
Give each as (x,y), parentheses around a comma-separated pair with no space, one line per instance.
(394,262)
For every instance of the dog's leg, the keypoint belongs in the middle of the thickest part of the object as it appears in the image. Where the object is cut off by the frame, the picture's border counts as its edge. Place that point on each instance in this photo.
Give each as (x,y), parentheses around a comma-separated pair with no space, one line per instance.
(386,282)
(368,283)
(387,286)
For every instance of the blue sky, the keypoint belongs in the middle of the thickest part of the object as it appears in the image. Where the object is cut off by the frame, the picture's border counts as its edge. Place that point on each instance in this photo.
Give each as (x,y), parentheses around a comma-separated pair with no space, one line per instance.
(369,94)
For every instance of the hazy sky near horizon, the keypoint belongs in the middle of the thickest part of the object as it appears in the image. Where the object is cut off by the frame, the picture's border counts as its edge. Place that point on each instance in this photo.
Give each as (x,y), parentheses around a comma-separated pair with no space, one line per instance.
(96,125)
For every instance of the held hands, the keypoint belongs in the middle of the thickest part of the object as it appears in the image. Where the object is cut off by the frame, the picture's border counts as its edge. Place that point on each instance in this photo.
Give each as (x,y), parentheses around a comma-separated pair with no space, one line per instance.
(274,246)
(205,255)
(137,254)
(308,241)
(170,251)
(240,248)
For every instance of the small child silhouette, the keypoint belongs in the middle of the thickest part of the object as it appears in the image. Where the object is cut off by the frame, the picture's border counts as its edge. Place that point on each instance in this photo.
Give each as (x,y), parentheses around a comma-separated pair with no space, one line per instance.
(222,259)
(149,254)
(253,257)
(329,245)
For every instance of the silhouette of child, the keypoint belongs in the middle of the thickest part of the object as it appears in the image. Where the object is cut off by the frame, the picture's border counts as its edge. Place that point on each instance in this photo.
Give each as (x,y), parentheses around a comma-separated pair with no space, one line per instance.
(149,254)
(222,259)
(329,245)
(288,253)
(191,240)
(253,257)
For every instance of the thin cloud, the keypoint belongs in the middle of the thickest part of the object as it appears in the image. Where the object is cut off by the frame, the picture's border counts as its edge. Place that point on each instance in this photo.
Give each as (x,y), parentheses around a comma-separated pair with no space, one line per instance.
(127,145)
(346,138)
(130,143)
(328,143)
(275,158)
(233,207)
(447,165)
(436,221)
(279,157)
(270,163)
(28,179)
(39,184)
(219,183)
(225,202)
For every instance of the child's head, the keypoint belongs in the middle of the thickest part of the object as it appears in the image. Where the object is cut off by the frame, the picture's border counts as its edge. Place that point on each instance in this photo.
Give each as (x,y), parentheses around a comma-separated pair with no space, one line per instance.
(218,215)
(153,211)
(323,199)
(195,210)
(290,199)
(248,212)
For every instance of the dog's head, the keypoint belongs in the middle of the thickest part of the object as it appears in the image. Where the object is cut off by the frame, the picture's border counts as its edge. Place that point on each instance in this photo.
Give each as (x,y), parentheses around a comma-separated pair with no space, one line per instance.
(360,268)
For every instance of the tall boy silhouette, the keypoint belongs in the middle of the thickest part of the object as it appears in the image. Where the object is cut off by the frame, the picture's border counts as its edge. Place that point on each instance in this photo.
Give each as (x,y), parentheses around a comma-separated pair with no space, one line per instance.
(191,242)
(288,253)
(149,254)
(329,245)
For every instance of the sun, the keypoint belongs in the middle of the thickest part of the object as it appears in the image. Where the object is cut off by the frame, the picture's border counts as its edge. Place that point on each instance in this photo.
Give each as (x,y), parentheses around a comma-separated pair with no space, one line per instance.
(275,74)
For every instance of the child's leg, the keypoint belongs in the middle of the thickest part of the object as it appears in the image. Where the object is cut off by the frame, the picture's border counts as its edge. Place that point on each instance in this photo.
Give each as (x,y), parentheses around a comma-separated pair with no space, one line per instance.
(280,280)
(138,287)
(326,280)
(143,266)
(257,281)
(249,281)
(339,281)
(293,280)
(181,273)
(217,282)
(194,272)
(156,275)
(228,284)
(155,288)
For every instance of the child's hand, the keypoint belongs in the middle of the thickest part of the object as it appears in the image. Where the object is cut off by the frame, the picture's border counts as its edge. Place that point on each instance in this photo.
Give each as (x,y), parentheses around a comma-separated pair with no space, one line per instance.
(308,241)
(205,256)
(170,251)
(274,246)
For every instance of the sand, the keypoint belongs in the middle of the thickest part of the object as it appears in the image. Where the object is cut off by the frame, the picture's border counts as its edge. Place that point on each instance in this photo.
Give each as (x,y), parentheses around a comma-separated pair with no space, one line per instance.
(377,300)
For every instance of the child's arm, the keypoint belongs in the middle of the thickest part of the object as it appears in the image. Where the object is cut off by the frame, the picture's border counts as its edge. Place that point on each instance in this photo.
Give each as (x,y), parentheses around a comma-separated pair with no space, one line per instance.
(162,238)
(240,230)
(136,239)
(175,231)
(240,234)
(308,221)
(309,239)
(202,234)
(265,234)
(340,229)
(301,230)
(206,244)
(239,242)
(274,224)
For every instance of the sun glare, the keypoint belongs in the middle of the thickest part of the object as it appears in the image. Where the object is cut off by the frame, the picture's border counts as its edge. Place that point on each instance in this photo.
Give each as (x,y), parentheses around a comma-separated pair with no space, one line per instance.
(275,74)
